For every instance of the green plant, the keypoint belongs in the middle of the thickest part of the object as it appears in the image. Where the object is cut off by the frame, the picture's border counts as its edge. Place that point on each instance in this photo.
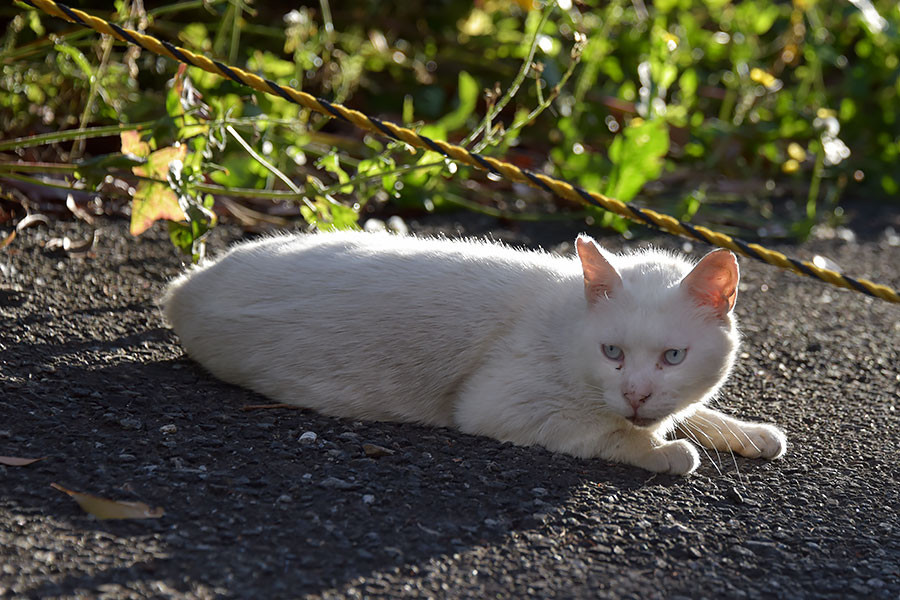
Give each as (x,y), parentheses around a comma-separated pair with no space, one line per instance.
(798,100)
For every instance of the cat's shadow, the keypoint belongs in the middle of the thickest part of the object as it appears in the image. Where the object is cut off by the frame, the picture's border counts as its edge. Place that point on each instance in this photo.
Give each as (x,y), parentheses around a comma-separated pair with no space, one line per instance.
(253,509)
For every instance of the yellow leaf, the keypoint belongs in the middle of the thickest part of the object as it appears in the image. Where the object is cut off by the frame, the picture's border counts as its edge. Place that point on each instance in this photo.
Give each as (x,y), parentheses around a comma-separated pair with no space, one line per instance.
(478,23)
(132,144)
(796,151)
(764,77)
(158,162)
(110,509)
(790,166)
(153,201)
(13,461)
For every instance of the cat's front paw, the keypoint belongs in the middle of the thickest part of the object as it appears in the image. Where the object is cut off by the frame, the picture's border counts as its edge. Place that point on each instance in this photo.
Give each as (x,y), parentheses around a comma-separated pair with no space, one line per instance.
(760,440)
(678,457)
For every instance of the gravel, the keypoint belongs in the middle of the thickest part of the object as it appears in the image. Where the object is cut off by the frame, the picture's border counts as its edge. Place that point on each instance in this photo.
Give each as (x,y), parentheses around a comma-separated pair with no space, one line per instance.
(280,502)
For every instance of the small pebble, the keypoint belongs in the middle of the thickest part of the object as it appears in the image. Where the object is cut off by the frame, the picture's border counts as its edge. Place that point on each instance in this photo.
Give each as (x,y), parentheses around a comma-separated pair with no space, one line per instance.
(131,423)
(285,498)
(397,225)
(168,429)
(374,225)
(308,438)
(336,484)
(368,499)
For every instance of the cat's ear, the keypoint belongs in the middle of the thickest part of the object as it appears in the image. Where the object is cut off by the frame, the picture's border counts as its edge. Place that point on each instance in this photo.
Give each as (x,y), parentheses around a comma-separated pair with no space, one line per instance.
(714,281)
(601,279)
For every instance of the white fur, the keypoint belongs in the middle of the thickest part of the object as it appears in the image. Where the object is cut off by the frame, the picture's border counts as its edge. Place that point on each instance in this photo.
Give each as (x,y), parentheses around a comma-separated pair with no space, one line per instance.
(492,340)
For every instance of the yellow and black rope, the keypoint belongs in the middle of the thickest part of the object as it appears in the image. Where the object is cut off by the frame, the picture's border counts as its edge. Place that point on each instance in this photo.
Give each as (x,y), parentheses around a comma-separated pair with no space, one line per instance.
(459,154)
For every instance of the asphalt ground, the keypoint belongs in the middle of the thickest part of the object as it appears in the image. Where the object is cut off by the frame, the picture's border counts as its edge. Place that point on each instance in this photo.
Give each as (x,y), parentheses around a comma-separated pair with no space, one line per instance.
(257,507)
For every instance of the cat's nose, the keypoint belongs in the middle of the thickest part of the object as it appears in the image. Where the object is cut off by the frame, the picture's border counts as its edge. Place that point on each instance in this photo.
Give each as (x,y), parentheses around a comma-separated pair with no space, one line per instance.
(637,398)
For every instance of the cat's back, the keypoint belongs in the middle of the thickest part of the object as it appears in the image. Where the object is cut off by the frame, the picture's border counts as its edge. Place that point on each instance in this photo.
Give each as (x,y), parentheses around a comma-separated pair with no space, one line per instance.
(363,250)
(341,264)
(350,308)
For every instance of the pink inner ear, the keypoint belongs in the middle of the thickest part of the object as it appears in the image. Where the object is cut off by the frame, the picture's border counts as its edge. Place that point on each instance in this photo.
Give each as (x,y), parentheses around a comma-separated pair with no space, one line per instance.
(601,279)
(714,281)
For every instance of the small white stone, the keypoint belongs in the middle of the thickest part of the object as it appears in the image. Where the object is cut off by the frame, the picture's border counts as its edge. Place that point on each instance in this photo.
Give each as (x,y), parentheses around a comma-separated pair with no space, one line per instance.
(397,225)
(368,499)
(373,225)
(168,429)
(308,438)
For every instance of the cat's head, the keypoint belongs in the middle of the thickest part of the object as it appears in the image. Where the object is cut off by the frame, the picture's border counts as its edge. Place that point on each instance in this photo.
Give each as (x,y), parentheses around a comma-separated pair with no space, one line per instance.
(660,336)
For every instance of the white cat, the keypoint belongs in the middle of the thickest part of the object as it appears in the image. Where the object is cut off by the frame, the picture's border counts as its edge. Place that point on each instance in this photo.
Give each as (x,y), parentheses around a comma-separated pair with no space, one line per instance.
(597,357)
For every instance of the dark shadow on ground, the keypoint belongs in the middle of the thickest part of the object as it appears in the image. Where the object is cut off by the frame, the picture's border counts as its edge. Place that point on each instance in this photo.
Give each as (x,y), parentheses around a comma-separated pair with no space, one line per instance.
(239,487)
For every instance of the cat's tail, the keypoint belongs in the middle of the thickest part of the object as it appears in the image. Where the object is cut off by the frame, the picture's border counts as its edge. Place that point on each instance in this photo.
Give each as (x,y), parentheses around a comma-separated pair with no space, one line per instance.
(174,301)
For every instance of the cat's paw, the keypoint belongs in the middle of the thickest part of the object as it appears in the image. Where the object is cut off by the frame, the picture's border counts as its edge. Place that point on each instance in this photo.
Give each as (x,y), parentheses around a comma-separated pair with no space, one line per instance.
(760,440)
(678,457)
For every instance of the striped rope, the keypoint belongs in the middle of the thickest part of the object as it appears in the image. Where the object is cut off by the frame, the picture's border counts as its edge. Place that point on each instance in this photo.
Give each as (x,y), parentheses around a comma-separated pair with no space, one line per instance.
(461,155)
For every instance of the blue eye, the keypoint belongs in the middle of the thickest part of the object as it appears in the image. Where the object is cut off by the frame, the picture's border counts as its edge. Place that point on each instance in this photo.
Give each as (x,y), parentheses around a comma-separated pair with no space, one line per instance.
(674,356)
(613,352)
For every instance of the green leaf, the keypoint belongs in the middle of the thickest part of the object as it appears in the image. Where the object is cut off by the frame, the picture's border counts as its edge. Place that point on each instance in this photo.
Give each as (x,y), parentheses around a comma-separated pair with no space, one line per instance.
(372,167)
(272,66)
(188,236)
(94,171)
(468,97)
(180,234)
(638,156)
(34,22)
(116,160)
(77,57)
(328,216)
(331,162)
(688,85)
(408,109)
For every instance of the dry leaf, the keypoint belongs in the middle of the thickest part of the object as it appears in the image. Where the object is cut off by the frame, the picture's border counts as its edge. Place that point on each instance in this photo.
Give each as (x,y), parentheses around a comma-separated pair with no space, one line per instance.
(31,220)
(103,508)
(69,245)
(152,200)
(13,461)
(78,211)
(374,450)
(8,240)
(132,144)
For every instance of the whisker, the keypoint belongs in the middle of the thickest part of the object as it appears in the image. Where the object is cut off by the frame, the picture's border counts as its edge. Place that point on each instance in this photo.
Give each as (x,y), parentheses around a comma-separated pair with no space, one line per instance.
(697,430)
(718,430)
(694,439)
(715,425)
(737,437)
